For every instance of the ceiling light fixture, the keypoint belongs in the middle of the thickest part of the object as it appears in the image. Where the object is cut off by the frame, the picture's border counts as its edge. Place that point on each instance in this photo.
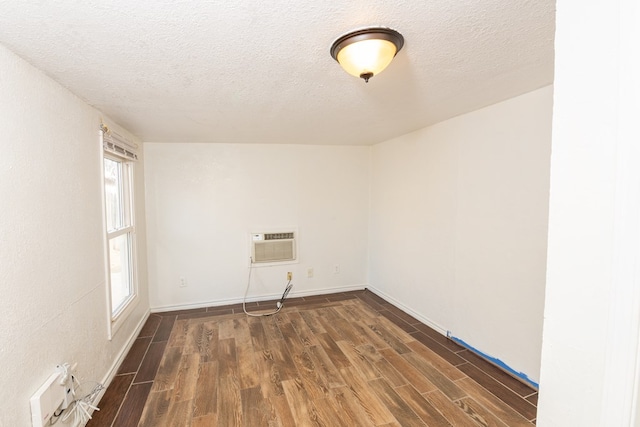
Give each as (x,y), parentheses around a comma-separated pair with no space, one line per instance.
(366,52)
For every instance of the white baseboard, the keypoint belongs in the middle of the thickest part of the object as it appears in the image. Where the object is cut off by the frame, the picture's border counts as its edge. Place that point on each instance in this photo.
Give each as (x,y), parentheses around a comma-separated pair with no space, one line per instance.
(420,317)
(493,360)
(229,301)
(113,369)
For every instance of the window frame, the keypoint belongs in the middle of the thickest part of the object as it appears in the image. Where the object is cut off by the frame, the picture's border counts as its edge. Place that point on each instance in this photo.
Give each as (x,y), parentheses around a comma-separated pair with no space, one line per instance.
(118,316)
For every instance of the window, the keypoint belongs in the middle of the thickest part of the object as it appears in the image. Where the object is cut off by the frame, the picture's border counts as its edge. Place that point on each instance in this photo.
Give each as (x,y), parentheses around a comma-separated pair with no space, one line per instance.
(120,226)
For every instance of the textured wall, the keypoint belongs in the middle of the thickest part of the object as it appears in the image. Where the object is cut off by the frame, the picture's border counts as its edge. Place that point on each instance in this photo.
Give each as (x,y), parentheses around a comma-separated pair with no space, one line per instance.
(53,306)
(459,226)
(203,200)
(592,306)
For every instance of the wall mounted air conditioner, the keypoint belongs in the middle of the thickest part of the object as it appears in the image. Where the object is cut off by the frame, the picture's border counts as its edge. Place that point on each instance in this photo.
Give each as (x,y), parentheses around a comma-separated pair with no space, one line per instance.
(273,247)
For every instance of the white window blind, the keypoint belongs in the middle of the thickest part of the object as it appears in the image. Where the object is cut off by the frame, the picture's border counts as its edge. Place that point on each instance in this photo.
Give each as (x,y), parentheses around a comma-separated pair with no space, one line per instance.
(118,145)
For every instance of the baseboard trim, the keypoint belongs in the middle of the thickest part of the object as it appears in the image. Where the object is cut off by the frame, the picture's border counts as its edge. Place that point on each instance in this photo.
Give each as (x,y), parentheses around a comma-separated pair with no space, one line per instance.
(521,376)
(111,373)
(266,297)
(420,317)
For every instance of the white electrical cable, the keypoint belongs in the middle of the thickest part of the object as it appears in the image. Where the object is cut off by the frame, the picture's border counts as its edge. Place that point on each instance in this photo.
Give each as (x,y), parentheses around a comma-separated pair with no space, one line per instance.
(279,304)
(80,408)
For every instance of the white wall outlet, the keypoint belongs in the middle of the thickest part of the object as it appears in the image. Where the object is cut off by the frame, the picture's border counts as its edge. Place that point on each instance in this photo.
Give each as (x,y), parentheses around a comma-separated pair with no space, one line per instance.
(183,282)
(289,275)
(310,272)
(336,269)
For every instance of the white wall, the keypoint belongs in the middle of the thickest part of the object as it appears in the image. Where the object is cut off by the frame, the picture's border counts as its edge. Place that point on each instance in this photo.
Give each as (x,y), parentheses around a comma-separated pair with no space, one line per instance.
(592,308)
(52,279)
(203,200)
(459,225)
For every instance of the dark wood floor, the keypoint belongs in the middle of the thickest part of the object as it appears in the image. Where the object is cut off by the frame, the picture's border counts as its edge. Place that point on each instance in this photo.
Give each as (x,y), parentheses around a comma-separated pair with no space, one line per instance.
(331,360)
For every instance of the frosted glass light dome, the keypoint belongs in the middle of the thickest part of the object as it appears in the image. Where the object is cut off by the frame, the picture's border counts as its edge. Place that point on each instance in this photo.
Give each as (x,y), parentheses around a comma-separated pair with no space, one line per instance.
(365,53)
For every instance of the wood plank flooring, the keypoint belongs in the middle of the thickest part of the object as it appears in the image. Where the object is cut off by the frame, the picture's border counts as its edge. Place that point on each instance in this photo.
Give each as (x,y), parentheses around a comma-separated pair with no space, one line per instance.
(347,359)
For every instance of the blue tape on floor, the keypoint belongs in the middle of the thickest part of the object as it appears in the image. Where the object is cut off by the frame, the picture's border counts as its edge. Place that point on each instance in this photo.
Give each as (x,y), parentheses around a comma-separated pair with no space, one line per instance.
(495,361)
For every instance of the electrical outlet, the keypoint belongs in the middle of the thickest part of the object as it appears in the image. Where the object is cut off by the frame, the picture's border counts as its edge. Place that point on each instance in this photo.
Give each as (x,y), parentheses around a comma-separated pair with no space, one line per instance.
(183,282)
(336,269)
(310,272)
(289,275)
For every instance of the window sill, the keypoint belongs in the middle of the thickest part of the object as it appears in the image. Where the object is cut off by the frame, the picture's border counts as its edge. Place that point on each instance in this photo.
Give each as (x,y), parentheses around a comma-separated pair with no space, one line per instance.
(116,322)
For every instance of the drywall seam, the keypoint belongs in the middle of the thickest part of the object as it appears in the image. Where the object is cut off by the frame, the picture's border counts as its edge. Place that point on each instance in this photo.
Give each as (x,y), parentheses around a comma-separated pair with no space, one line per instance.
(267,297)
(60,313)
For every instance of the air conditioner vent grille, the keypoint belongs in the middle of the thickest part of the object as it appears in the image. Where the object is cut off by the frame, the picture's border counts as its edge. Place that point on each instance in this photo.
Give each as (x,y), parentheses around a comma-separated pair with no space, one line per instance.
(278,236)
(273,247)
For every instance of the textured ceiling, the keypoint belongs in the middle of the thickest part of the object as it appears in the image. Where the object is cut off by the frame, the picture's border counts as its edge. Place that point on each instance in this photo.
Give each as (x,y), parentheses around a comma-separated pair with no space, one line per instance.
(260,71)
